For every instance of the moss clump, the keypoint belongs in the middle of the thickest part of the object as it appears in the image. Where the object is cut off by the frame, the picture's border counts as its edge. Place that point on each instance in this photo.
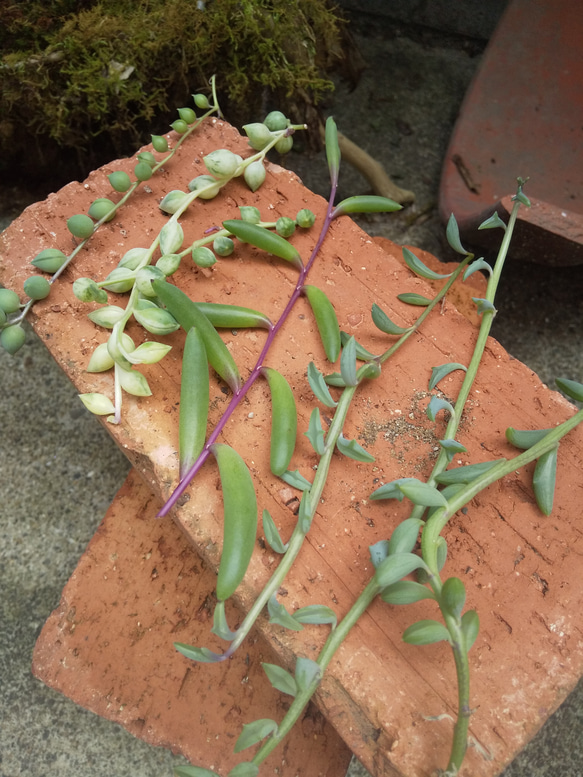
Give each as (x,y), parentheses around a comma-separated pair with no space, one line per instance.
(90,75)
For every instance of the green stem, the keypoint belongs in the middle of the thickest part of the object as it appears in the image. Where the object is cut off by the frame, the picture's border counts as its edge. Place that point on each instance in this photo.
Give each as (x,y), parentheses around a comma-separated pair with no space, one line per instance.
(335,639)
(462,666)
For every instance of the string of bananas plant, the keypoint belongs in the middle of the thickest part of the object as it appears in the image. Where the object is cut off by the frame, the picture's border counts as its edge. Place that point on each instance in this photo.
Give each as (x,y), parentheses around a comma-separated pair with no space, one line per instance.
(409,565)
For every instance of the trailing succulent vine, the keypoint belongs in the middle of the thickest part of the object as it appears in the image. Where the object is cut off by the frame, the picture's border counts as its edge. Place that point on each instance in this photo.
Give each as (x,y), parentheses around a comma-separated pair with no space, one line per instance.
(409,565)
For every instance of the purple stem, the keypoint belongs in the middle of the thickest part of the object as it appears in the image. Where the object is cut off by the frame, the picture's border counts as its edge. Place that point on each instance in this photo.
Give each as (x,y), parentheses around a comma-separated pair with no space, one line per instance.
(238,395)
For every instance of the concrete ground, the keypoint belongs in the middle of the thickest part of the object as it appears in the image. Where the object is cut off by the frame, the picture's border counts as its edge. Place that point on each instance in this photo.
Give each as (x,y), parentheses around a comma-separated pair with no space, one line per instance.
(59,469)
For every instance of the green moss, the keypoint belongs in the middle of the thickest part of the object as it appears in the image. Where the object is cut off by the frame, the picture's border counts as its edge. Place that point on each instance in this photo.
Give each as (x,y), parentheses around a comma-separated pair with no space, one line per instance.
(75,72)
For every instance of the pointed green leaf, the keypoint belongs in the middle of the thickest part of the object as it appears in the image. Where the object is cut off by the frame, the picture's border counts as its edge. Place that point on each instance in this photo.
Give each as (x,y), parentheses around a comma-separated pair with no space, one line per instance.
(244,769)
(452,448)
(525,438)
(272,535)
(280,616)
(326,320)
(435,405)
(353,450)
(466,474)
(493,222)
(366,203)
(384,323)
(423,494)
(543,480)
(438,373)
(441,552)
(414,299)
(296,480)
(361,351)
(406,592)
(453,597)
(390,490)
(254,732)
(202,655)
(194,401)
(470,627)
(397,566)
(192,771)
(484,306)
(315,433)
(348,363)
(416,265)
(280,679)
(332,148)
(220,625)
(479,264)
(426,632)
(404,536)
(453,236)
(263,238)
(319,387)
(284,421)
(306,672)
(317,614)
(571,388)
(378,552)
(335,379)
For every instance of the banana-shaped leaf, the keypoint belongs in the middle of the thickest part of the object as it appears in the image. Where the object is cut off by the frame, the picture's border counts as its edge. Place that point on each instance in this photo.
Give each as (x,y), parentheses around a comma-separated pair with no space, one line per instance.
(410,298)
(543,480)
(479,264)
(326,321)
(295,479)
(384,323)
(220,625)
(466,474)
(397,566)
(194,401)
(353,450)
(470,627)
(317,614)
(438,373)
(186,312)
(284,421)
(240,519)
(255,732)
(348,363)
(525,438)
(272,535)
(493,222)
(319,387)
(570,387)
(280,616)
(406,592)
(315,433)
(263,238)
(426,632)
(366,203)
(416,265)
(233,316)
(435,405)
(452,234)
(361,351)
(404,536)
(332,149)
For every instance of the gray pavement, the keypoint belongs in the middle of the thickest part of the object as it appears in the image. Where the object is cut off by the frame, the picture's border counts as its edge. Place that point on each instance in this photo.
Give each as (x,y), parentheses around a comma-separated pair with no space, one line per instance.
(59,470)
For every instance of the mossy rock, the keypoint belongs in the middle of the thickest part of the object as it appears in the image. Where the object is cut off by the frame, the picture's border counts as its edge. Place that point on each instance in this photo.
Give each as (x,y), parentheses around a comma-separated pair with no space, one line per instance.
(96,78)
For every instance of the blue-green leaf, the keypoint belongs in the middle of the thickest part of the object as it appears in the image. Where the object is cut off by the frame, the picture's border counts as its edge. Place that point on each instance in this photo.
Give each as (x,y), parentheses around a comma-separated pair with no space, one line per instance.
(479,264)
(438,373)
(280,616)
(384,323)
(493,222)
(571,388)
(466,474)
(244,769)
(426,632)
(406,592)
(353,450)
(317,614)
(423,494)
(453,597)
(414,299)
(315,433)
(416,265)
(305,516)
(319,387)
(366,203)
(332,148)
(306,672)
(543,480)
(525,439)
(361,351)
(470,627)
(272,535)
(404,536)
(296,480)
(452,448)
(220,625)
(435,405)
(348,363)
(254,732)
(453,236)
(390,490)
(335,379)
(378,552)
(484,306)
(202,655)
(280,679)
(397,566)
